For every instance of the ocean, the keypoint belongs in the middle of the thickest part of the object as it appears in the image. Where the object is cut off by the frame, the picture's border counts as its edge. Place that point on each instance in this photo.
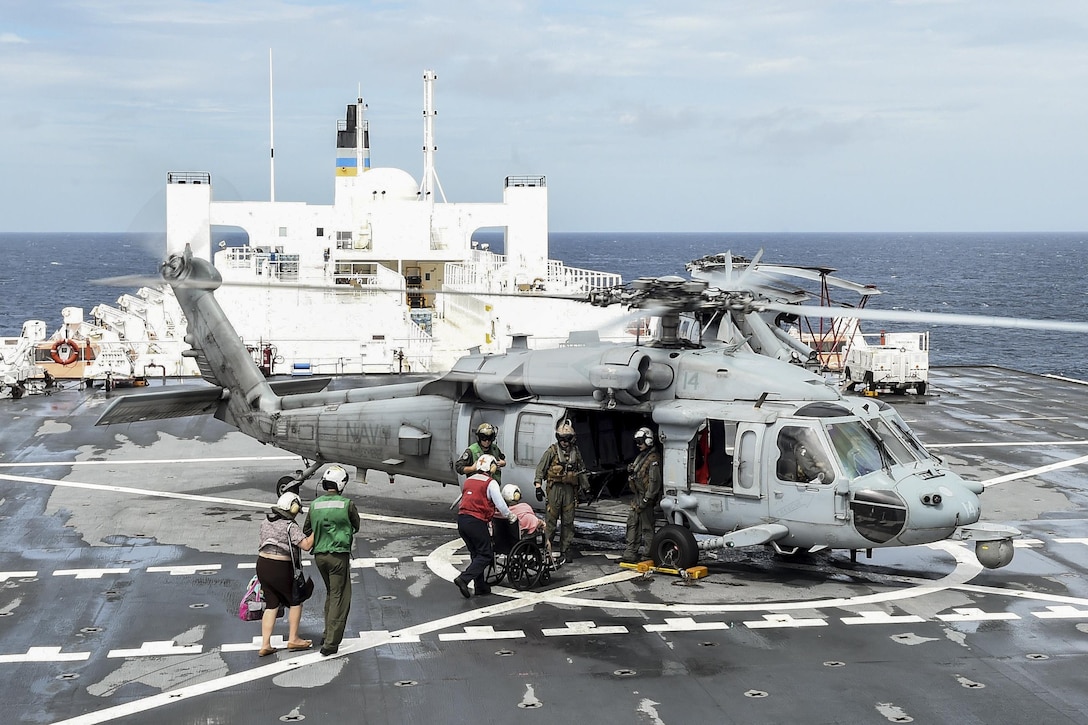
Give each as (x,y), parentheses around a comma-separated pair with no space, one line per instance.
(1033,275)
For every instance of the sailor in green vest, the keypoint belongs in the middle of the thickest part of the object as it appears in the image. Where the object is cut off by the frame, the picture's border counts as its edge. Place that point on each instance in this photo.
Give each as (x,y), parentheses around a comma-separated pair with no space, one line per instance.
(485,443)
(332,522)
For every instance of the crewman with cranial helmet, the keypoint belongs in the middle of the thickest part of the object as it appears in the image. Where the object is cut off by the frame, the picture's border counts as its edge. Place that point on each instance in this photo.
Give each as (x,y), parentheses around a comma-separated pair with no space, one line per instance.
(644,478)
(562,468)
(485,443)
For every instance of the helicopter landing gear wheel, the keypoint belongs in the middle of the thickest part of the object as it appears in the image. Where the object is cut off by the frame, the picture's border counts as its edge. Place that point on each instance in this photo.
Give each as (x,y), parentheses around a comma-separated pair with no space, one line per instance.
(524,565)
(674,547)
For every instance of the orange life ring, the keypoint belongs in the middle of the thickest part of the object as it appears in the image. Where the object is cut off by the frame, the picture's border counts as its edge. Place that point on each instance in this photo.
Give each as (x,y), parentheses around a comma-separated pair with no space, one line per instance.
(64,352)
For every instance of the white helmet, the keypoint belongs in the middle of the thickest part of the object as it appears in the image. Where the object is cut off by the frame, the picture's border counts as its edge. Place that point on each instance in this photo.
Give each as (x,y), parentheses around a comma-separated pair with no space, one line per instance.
(290,502)
(511,493)
(486,464)
(335,477)
(644,437)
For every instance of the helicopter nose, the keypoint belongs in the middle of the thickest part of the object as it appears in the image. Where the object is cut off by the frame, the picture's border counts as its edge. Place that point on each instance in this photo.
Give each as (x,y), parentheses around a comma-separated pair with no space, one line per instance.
(936,505)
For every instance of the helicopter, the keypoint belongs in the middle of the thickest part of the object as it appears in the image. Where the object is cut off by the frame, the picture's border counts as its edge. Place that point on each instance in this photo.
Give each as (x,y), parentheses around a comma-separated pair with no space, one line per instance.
(757,447)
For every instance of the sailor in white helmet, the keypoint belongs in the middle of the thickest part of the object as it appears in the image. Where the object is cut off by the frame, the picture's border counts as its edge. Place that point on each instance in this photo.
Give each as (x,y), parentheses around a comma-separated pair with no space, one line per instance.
(481,500)
(644,478)
(332,523)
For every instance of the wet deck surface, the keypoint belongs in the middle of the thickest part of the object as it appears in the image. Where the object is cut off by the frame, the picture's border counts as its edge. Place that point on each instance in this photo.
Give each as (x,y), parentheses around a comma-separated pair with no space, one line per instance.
(125,551)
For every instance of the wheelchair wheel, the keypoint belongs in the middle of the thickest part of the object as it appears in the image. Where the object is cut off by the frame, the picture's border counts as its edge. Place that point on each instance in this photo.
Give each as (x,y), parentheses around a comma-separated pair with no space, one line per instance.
(496,570)
(525,565)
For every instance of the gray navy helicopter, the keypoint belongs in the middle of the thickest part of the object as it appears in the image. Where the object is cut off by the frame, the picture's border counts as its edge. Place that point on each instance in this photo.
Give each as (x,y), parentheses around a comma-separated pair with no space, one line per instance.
(757,447)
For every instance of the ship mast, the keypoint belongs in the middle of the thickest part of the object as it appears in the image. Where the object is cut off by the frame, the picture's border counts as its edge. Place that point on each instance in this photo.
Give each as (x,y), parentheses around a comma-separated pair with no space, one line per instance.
(430,176)
(271,136)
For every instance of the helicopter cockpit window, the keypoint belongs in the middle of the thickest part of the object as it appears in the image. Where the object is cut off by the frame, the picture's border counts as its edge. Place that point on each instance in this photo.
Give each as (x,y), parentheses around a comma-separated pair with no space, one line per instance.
(802,457)
(891,438)
(908,435)
(855,448)
(712,453)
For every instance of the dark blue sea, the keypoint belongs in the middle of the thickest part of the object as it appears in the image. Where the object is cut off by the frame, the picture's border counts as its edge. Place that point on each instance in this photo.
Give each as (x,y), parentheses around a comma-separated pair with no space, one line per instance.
(1036,275)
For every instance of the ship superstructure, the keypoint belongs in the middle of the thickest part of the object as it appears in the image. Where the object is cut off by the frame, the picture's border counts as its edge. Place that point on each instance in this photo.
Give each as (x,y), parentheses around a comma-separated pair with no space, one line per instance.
(357,285)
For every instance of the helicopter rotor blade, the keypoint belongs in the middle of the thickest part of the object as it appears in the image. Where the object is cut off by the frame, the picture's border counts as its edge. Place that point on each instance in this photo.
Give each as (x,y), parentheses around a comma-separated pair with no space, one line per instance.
(933,318)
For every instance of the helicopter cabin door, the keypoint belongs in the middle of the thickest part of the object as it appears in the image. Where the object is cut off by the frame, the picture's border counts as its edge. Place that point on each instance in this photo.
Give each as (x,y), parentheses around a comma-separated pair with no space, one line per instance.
(800,473)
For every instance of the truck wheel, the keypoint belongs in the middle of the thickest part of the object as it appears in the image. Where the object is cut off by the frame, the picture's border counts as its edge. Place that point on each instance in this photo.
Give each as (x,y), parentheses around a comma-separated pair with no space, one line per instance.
(920,388)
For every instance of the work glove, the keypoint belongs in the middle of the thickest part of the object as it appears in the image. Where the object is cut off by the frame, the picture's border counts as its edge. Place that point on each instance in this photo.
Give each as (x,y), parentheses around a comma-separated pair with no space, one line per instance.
(512,517)
(539,493)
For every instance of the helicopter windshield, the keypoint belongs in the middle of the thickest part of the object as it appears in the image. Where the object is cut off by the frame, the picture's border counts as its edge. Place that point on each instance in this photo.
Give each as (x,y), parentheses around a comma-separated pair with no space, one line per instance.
(855,447)
(908,435)
(892,441)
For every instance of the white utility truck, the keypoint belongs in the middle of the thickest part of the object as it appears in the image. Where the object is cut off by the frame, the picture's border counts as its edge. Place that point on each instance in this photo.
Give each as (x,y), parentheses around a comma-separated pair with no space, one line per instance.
(896,361)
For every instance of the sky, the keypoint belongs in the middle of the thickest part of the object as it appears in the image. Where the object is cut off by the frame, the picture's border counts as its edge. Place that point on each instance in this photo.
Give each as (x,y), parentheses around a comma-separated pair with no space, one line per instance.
(697,116)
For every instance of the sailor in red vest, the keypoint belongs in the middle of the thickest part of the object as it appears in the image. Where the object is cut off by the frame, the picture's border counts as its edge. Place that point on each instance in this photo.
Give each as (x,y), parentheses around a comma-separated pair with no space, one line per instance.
(481,498)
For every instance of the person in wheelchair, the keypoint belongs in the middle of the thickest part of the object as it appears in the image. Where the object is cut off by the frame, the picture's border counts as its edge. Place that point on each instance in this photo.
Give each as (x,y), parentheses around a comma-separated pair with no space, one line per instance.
(528,521)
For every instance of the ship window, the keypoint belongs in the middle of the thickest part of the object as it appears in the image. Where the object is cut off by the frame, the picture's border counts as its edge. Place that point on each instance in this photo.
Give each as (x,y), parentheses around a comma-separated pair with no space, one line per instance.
(321,231)
(378,338)
(283,231)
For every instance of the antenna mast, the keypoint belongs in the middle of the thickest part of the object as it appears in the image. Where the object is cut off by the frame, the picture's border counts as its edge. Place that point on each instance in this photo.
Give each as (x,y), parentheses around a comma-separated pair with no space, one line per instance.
(271,136)
(430,176)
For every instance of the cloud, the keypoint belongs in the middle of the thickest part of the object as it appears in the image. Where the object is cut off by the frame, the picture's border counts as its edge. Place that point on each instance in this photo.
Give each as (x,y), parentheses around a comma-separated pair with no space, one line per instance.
(12,38)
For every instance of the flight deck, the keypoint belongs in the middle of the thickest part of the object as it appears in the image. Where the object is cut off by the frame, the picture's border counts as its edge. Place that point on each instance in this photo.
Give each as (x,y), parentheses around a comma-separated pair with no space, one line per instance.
(127,548)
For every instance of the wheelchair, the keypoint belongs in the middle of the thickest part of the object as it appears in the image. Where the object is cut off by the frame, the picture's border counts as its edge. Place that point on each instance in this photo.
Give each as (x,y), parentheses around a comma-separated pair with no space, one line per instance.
(522,560)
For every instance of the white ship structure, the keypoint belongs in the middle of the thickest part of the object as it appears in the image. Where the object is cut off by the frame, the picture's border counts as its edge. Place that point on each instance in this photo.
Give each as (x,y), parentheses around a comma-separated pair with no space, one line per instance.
(368,283)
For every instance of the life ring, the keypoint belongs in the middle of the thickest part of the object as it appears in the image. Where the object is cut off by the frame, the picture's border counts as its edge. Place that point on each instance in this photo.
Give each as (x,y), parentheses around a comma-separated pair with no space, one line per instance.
(64,352)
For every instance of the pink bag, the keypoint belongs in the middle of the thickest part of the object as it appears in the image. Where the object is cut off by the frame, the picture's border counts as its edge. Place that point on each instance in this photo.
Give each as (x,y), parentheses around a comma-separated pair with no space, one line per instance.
(252,605)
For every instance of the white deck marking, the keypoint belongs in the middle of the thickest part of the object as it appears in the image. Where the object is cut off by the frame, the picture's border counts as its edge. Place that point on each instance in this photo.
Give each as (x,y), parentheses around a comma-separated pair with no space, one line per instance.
(1008,444)
(771,621)
(973,614)
(582,628)
(477,633)
(149,461)
(158,649)
(878,617)
(204,499)
(1023,594)
(5,575)
(254,645)
(367,640)
(1027,543)
(1072,541)
(185,569)
(684,624)
(364,563)
(90,573)
(1035,471)
(1063,612)
(45,654)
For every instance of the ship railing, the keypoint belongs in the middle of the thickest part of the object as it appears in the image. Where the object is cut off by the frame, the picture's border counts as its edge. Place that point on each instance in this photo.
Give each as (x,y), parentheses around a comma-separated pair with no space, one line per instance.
(188,177)
(525,181)
(488,272)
